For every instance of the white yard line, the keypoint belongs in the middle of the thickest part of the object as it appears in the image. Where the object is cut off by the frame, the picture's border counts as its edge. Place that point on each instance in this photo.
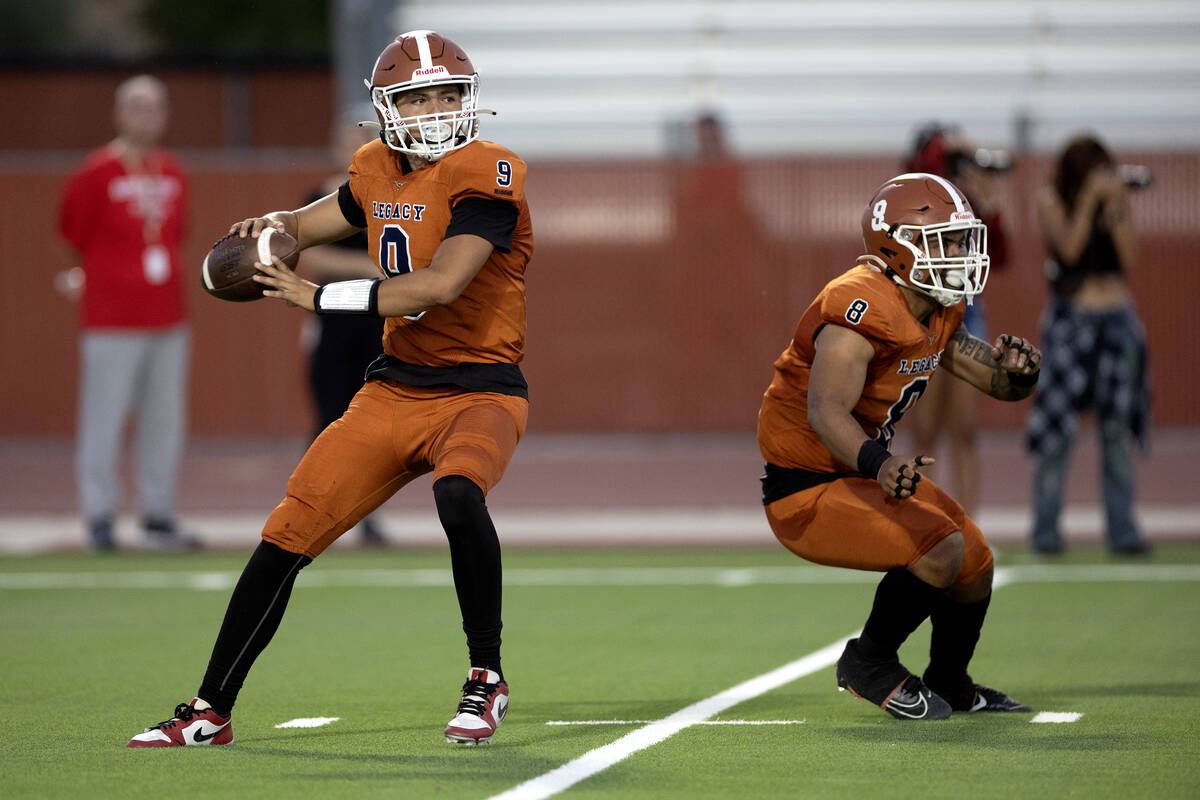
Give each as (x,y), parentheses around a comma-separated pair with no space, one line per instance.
(317,577)
(600,759)
(648,721)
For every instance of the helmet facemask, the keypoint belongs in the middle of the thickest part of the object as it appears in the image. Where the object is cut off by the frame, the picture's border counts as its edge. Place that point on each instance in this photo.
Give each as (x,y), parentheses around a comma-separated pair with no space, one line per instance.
(950,260)
(428,136)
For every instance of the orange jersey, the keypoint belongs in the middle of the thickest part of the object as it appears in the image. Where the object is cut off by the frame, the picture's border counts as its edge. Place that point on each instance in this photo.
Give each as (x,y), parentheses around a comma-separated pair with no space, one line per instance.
(407,215)
(906,354)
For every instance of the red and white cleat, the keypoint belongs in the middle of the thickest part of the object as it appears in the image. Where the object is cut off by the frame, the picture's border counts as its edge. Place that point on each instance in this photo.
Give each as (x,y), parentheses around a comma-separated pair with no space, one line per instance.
(481,710)
(188,727)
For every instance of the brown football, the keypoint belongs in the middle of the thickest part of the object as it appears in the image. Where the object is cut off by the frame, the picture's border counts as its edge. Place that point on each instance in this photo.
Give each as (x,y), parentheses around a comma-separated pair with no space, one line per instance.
(228,268)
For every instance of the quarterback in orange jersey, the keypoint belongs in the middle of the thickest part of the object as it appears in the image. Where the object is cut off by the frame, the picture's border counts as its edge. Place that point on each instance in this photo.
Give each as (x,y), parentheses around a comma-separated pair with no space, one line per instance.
(448,225)
(834,494)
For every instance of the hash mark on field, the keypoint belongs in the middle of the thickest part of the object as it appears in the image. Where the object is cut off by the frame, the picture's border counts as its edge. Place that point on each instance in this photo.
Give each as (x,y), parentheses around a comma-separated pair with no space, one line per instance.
(648,721)
(307,722)
(1056,716)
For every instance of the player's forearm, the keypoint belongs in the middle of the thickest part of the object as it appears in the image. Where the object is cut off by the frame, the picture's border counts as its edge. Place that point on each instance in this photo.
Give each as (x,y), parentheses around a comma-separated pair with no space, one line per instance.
(838,430)
(415,292)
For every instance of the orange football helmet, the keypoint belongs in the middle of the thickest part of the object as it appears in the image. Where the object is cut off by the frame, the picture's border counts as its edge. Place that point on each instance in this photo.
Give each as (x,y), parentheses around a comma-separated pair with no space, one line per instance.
(416,60)
(920,230)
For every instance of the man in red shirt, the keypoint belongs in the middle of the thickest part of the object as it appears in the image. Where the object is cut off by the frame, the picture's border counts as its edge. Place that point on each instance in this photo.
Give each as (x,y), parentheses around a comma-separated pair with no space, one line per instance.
(124,212)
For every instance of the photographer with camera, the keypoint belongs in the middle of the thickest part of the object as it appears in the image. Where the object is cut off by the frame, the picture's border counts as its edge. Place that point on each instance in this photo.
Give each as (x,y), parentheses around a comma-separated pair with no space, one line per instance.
(1093,341)
(951,406)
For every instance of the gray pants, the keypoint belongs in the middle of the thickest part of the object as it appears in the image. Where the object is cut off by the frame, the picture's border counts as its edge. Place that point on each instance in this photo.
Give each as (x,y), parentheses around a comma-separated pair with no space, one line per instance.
(1116,485)
(144,372)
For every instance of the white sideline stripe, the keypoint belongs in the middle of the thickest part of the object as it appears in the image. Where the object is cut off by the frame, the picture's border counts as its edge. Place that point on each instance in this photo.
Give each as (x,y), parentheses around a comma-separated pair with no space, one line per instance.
(36,533)
(602,758)
(307,722)
(1056,716)
(648,721)
(315,577)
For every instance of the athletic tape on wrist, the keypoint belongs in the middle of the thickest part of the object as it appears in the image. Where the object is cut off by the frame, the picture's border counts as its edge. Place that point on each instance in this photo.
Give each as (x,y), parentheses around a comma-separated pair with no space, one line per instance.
(871,457)
(1022,380)
(349,297)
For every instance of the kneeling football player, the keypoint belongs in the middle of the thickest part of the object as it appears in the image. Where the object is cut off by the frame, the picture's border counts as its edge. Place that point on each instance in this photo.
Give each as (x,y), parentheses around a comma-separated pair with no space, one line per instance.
(449,228)
(834,494)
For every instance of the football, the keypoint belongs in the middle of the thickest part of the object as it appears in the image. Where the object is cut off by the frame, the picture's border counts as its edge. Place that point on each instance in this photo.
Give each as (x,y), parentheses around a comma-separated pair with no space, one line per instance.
(228,268)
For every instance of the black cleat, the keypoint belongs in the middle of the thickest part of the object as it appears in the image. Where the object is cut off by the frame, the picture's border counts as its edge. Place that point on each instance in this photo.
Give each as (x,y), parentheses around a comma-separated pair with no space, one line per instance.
(888,685)
(989,699)
(976,697)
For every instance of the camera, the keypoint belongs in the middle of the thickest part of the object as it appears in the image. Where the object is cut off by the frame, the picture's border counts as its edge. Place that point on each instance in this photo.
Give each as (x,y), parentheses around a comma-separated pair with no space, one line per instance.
(1135,176)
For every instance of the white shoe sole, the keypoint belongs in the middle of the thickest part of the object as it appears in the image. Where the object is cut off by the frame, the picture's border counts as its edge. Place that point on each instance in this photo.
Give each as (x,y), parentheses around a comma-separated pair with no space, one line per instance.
(467,741)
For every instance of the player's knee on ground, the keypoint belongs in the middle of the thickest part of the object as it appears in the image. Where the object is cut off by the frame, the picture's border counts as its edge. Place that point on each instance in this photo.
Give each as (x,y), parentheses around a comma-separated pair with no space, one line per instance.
(941,564)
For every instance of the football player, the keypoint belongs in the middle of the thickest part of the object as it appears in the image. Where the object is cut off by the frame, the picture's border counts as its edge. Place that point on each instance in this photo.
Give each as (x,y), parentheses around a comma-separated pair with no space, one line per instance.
(834,494)
(449,229)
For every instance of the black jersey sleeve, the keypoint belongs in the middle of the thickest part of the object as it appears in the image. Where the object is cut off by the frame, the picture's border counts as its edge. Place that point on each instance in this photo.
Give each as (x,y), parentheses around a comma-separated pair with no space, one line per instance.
(350,207)
(494,220)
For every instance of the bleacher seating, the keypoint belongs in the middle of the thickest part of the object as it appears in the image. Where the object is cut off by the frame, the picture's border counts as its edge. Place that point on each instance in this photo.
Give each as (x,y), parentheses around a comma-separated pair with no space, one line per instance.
(619,78)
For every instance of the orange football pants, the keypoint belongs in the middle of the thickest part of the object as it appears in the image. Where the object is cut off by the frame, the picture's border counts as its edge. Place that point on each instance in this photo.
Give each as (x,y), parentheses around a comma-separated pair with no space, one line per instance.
(391,434)
(851,522)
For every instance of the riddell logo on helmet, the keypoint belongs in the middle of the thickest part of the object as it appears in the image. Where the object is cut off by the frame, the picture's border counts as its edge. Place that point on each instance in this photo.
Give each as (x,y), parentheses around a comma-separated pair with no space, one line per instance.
(962,216)
(430,72)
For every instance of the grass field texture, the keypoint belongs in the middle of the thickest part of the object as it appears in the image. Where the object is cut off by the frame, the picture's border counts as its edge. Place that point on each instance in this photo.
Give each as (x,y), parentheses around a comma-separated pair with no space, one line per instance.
(93,649)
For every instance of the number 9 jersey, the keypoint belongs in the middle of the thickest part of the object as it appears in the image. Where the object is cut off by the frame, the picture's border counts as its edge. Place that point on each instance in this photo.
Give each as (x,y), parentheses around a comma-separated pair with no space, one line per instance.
(906,354)
(478,189)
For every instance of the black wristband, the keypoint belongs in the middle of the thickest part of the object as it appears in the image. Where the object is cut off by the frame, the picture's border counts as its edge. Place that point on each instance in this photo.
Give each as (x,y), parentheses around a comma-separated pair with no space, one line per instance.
(871,457)
(1022,380)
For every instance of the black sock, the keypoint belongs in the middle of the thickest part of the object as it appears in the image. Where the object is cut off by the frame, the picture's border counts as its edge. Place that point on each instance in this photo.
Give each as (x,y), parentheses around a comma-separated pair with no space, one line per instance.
(902,602)
(956,628)
(475,560)
(253,615)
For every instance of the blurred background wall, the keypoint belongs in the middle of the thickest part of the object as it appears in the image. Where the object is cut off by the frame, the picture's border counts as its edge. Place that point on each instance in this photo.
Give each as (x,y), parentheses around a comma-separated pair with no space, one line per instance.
(653,306)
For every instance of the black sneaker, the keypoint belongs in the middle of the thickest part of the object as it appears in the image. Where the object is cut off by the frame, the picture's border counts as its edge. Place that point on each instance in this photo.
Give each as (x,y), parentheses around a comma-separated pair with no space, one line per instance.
(166,536)
(973,696)
(887,684)
(100,536)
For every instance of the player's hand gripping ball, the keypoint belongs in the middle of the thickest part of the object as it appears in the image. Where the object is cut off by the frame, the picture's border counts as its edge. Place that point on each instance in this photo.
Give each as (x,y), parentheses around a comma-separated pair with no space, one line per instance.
(229,267)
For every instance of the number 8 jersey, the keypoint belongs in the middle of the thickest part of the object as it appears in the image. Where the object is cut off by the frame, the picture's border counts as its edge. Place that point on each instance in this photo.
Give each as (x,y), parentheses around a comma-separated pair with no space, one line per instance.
(478,189)
(906,354)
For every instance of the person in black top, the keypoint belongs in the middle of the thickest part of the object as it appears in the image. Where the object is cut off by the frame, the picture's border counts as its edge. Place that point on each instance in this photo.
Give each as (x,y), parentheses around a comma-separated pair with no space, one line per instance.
(948,406)
(1094,344)
(342,345)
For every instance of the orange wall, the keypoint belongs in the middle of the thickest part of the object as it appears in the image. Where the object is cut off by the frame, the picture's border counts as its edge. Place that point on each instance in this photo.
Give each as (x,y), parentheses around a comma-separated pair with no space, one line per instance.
(637,320)
(659,294)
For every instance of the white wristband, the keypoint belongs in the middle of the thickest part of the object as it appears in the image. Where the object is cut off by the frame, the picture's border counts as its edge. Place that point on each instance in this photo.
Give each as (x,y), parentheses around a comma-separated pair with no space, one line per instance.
(349,297)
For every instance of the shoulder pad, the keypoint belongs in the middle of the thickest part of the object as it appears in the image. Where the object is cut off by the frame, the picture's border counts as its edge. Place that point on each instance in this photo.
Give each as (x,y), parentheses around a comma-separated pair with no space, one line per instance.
(485,169)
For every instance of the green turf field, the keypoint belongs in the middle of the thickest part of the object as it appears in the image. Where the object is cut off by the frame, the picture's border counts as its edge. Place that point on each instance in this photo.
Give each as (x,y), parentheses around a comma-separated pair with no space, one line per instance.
(93,649)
